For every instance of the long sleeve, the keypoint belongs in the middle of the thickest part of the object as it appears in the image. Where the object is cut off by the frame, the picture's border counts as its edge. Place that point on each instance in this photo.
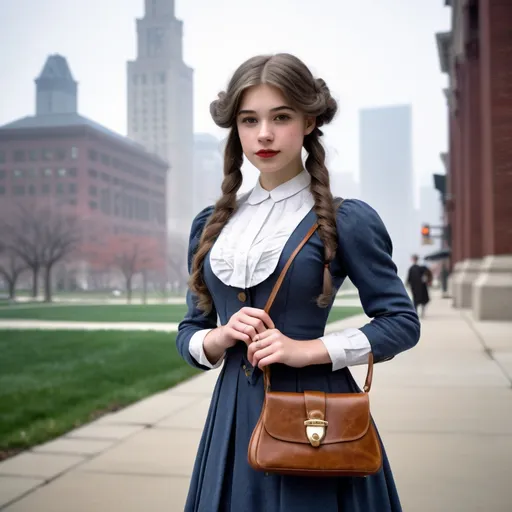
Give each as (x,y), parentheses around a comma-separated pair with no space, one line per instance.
(195,321)
(365,254)
(349,347)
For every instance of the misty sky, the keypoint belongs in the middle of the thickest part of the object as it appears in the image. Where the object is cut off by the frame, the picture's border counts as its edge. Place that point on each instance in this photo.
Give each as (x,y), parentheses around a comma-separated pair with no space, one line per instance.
(370,52)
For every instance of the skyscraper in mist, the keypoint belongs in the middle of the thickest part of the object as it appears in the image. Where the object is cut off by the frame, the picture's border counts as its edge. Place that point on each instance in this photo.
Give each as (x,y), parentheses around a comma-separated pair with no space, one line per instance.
(160,105)
(386,174)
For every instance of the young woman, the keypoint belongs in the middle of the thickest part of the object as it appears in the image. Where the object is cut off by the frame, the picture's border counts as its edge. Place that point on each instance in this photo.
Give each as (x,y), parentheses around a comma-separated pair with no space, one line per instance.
(274,107)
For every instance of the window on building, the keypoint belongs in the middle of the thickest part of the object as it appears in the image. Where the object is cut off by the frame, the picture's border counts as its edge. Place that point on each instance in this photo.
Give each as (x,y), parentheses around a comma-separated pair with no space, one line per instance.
(162,77)
(105,159)
(72,172)
(72,188)
(19,155)
(47,172)
(93,155)
(47,155)
(93,205)
(33,155)
(74,152)
(117,204)
(93,190)
(93,173)
(2,174)
(17,173)
(32,190)
(105,201)
(135,79)
(60,189)
(72,201)
(2,157)
(61,172)
(60,154)
(105,177)
(143,79)
(45,189)
(18,190)
(31,173)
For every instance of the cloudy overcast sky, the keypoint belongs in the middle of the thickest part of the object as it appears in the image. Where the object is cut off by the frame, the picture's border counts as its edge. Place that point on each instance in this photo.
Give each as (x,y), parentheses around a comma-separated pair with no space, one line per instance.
(370,52)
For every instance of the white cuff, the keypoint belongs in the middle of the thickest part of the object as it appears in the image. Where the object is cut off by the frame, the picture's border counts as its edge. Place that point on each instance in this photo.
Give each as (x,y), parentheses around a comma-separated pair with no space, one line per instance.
(196,349)
(349,347)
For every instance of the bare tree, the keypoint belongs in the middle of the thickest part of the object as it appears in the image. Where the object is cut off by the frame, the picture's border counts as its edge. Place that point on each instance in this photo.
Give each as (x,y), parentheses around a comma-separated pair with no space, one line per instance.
(40,239)
(22,237)
(61,236)
(130,262)
(177,262)
(11,267)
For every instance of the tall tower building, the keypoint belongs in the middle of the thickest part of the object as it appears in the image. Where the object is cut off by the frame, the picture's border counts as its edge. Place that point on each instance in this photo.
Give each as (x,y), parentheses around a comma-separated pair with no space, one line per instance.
(56,90)
(160,106)
(387,177)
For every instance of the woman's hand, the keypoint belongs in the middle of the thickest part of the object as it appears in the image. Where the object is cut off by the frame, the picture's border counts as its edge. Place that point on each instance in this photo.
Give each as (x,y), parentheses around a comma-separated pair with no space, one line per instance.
(244,325)
(272,346)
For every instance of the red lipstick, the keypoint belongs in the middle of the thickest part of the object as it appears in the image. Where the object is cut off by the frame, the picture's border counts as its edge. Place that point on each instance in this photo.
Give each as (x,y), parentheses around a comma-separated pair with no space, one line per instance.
(266,153)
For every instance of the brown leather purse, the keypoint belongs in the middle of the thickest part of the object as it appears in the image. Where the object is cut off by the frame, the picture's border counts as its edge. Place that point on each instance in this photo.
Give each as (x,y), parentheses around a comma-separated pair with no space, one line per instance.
(314,433)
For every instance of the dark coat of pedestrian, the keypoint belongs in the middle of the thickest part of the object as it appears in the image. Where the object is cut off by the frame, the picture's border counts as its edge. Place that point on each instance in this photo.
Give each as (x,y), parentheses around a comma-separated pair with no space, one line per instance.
(419,279)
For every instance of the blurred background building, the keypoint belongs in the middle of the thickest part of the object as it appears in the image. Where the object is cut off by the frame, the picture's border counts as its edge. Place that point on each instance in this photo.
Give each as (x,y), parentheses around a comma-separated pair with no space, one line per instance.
(65,164)
(476,56)
(208,170)
(160,106)
(387,176)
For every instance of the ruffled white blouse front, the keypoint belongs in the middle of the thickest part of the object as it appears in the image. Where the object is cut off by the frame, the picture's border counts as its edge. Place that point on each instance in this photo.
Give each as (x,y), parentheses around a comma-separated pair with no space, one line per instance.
(247,250)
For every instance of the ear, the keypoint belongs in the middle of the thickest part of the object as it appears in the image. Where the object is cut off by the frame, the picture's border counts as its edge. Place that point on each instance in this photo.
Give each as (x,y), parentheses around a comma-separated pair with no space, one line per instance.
(310,123)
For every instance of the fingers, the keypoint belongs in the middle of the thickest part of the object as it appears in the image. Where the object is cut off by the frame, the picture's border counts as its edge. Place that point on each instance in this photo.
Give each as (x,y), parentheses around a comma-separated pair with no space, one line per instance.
(265,334)
(259,314)
(236,332)
(256,346)
(257,325)
(244,332)
(275,357)
(259,355)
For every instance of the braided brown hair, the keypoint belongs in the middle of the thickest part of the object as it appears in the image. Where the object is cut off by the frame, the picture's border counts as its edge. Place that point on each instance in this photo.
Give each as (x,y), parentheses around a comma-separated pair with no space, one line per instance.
(310,96)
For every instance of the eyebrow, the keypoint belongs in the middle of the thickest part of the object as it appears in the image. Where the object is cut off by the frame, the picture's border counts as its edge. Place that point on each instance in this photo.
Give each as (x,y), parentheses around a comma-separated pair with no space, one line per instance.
(282,107)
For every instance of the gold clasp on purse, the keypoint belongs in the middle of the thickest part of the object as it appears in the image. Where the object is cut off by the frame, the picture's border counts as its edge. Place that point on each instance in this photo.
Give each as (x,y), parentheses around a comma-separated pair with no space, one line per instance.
(315,431)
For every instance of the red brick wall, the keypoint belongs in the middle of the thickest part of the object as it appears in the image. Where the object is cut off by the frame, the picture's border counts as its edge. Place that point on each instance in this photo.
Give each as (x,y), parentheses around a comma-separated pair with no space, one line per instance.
(473,165)
(496,84)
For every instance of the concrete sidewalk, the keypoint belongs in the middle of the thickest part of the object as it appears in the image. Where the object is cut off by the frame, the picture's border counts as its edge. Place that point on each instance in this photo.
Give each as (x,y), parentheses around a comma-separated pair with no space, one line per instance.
(444,410)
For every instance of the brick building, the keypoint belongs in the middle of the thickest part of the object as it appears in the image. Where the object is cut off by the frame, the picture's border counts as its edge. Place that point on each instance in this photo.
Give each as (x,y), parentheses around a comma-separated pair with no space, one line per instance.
(62,160)
(476,54)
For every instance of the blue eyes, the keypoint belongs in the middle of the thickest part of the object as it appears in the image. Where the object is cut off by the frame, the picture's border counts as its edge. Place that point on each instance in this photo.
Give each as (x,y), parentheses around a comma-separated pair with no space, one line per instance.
(280,119)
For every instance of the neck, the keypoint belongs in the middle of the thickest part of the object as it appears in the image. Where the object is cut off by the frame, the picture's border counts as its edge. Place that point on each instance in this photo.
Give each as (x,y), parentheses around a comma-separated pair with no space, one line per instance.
(270,181)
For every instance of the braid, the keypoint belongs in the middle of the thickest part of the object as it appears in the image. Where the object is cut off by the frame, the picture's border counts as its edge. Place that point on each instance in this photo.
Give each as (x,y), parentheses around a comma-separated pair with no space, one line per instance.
(224,209)
(324,207)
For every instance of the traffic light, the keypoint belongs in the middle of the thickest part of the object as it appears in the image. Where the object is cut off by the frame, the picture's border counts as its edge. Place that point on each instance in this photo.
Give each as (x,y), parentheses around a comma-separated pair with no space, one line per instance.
(426,238)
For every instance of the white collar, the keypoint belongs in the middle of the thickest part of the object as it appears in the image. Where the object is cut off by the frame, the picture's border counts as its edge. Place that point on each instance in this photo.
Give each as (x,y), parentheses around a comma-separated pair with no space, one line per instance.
(283,191)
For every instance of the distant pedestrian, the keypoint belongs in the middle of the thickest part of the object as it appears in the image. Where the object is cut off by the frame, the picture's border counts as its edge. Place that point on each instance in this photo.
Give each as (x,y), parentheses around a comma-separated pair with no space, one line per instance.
(419,278)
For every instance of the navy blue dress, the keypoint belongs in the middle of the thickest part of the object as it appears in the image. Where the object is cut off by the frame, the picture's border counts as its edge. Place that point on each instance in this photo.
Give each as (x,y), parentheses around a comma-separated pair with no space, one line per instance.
(222,479)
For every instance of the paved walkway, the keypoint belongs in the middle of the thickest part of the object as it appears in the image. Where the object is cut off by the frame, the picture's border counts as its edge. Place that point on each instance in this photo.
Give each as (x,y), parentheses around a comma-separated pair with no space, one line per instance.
(444,410)
(18,323)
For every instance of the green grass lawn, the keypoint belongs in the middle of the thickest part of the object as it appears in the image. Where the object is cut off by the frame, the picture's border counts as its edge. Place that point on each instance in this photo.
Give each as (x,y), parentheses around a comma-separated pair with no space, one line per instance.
(121,313)
(104,313)
(54,381)
(341,312)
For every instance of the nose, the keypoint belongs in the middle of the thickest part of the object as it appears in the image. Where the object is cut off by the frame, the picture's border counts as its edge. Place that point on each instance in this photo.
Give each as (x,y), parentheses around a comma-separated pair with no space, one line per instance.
(265,134)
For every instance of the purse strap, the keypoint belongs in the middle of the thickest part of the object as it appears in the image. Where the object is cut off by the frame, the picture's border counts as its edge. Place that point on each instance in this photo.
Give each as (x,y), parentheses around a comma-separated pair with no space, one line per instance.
(270,301)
